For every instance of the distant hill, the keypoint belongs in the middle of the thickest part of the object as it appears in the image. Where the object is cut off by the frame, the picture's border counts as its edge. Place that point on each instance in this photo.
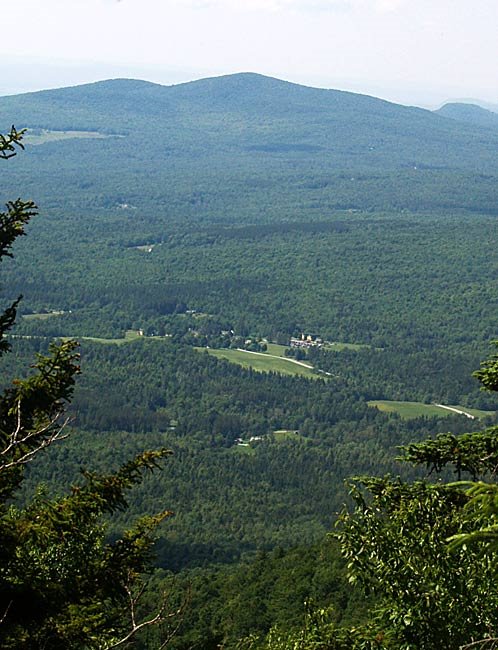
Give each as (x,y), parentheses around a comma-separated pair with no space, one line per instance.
(252,113)
(476,102)
(243,147)
(470,114)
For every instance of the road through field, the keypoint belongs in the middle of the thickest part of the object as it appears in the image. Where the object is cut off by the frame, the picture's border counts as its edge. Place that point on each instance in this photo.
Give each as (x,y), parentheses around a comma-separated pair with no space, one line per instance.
(460,412)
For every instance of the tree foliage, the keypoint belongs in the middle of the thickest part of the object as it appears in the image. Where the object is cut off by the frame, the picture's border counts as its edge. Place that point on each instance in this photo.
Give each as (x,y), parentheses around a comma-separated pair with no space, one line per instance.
(63,584)
(432,596)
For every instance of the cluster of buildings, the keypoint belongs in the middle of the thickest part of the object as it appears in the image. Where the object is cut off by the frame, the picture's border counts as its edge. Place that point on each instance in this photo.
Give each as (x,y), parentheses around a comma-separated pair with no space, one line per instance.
(306,341)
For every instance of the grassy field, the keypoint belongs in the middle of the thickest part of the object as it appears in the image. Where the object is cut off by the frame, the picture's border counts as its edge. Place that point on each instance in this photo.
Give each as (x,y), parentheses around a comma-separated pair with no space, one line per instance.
(409,410)
(277,350)
(146,248)
(262,362)
(45,135)
(286,434)
(96,339)
(243,449)
(130,335)
(44,315)
(336,346)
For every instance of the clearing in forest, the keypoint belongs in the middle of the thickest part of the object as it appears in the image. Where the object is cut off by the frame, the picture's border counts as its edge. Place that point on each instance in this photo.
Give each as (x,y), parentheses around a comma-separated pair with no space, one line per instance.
(42,136)
(409,410)
(263,362)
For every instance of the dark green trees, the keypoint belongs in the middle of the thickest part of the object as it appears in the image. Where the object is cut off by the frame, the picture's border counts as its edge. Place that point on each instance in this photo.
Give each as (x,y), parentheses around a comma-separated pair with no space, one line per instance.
(425,553)
(427,550)
(62,584)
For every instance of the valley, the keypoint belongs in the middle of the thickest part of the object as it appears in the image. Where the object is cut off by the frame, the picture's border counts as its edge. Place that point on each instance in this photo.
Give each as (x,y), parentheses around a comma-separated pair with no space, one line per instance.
(186,236)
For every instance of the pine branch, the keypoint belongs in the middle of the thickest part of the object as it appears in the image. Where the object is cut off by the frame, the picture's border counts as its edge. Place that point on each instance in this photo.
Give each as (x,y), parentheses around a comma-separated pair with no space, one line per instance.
(4,615)
(163,615)
(490,643)
(19,439)
(9,142)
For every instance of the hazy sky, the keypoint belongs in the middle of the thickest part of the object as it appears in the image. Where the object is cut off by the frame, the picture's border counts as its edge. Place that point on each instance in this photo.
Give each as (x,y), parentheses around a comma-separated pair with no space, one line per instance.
(412,51)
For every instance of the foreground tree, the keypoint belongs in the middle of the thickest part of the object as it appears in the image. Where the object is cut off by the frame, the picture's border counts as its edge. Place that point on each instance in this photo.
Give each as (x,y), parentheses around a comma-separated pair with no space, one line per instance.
(62,585)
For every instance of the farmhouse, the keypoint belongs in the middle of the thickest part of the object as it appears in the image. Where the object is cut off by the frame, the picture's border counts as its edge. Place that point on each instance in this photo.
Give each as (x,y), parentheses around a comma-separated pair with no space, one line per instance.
(306,341)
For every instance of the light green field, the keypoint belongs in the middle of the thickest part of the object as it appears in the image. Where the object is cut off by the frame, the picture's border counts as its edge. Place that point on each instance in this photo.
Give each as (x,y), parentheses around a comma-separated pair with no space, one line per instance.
(130,335)
(286,434)
(146,248)
(243,449)
(43,315)
(45,136)
(409,410)
(277,350)
(336,346)
(261,362)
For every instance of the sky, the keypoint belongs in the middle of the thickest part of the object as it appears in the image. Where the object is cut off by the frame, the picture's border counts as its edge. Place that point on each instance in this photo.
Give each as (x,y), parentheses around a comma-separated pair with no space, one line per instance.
(421,52)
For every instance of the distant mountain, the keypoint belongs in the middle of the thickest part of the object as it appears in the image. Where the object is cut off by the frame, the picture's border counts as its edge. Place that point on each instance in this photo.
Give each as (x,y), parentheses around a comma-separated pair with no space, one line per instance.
(470,114)
(245,148)
(250,113)
(476,102)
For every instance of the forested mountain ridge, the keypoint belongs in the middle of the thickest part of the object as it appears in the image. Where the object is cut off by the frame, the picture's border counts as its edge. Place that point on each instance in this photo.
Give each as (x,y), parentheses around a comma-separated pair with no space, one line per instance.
(247,111)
